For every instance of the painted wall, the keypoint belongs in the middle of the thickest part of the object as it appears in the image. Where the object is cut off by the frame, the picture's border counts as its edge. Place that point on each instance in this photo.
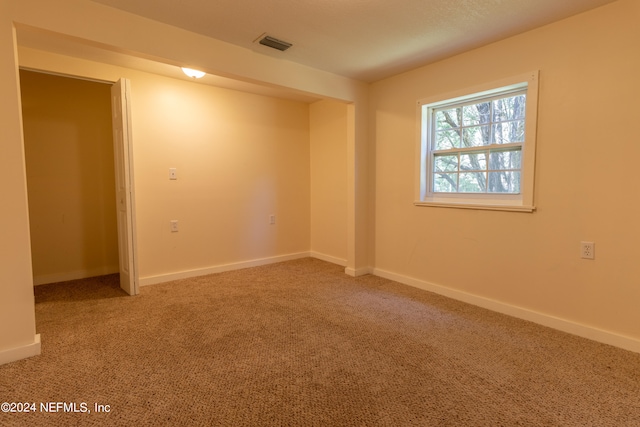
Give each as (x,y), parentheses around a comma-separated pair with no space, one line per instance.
(93,24)
(17,318)
(70,177)
(328,140)
(585,188)
(239,158)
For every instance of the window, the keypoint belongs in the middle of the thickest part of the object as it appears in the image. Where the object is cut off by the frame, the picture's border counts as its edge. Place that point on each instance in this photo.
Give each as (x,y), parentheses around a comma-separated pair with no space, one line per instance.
(477,147)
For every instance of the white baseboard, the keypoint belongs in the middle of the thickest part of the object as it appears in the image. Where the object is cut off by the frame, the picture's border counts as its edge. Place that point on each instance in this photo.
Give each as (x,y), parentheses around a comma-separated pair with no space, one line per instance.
(23,352)
(328,258)
(589,332)
(74,275)
(153,280)
(357,272)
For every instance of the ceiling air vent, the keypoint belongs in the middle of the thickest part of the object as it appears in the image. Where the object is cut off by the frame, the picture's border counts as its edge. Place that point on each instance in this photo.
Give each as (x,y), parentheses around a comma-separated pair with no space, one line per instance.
(275,43)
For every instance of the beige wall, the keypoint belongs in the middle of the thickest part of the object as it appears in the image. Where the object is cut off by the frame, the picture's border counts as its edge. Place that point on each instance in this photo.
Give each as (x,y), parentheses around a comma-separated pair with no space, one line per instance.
(94,24)
(328,139)
(586,181)
(70,177)
(239,158)
(17,318)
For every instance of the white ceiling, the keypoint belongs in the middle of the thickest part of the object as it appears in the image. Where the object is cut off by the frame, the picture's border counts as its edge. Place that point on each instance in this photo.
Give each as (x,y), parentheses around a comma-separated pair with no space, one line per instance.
(362,39)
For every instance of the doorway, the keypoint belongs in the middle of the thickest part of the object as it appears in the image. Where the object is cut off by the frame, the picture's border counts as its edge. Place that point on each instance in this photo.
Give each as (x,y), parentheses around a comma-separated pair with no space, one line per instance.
(69,158)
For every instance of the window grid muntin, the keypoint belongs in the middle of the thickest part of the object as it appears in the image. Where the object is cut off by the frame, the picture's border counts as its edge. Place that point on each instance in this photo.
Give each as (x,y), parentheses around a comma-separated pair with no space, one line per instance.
(488,149)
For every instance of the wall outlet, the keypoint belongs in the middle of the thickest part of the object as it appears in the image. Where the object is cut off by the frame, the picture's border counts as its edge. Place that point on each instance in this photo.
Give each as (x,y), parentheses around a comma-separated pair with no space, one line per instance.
(587,250)
(272,219)
(173,174)
(174,225)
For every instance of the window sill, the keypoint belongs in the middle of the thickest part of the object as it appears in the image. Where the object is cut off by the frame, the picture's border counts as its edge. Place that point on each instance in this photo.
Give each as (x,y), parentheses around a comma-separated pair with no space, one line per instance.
(508,208)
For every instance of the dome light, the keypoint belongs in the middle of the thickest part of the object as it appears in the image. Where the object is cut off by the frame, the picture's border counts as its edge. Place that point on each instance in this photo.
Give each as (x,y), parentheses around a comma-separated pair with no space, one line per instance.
(195,74)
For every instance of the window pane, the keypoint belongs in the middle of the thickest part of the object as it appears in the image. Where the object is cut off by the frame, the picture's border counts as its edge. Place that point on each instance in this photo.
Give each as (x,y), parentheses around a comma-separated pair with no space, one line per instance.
(446,163)
(511,108)
(447,139)
(472,182)
(476,114)
(445,182)
(475,161)
(504,133)
(504,182)
(511,159)
(448,119)
(476,136)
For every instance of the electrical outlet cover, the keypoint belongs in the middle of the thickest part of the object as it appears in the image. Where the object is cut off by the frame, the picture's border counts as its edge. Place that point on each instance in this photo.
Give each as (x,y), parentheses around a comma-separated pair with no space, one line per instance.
(587,250)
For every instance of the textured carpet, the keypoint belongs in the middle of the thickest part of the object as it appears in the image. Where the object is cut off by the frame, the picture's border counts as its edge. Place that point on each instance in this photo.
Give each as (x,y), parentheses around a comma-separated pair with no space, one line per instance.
(301,344)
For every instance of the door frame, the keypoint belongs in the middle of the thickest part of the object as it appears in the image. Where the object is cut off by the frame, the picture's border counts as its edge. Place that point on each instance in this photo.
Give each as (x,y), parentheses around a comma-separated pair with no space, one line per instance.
(125,189)
(126,124)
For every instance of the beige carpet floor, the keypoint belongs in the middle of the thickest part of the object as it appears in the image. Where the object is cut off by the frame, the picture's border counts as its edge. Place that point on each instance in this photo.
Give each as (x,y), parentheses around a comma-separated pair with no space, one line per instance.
(301,344)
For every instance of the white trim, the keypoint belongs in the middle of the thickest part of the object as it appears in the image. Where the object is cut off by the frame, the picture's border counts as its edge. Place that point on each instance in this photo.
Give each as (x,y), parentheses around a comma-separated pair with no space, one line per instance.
(71,76)
(589,332)
(328,258)
(133,239)
(423,195)
(482,90)
(509,208)
(23,352)
(353,272)
(161,278)
(74,275)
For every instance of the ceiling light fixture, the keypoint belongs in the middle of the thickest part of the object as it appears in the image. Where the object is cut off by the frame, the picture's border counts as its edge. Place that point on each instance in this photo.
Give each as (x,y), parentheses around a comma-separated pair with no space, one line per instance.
(194,74)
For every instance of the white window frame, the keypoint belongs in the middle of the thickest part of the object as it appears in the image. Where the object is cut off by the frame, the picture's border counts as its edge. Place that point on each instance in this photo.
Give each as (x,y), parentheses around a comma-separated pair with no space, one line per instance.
(523,201)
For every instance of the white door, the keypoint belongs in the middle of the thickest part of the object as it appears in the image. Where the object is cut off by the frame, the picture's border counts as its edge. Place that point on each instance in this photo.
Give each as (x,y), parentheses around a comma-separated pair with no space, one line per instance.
(121,119)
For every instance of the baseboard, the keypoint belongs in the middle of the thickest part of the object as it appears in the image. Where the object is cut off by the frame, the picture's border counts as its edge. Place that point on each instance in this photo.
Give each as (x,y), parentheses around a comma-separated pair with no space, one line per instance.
(74,275)
(23,352)
(595,334)
(162,278)
(357,272)
(328,258)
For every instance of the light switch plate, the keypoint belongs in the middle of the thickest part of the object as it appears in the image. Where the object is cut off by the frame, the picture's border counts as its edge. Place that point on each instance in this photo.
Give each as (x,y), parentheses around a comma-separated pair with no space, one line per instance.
(173,174)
